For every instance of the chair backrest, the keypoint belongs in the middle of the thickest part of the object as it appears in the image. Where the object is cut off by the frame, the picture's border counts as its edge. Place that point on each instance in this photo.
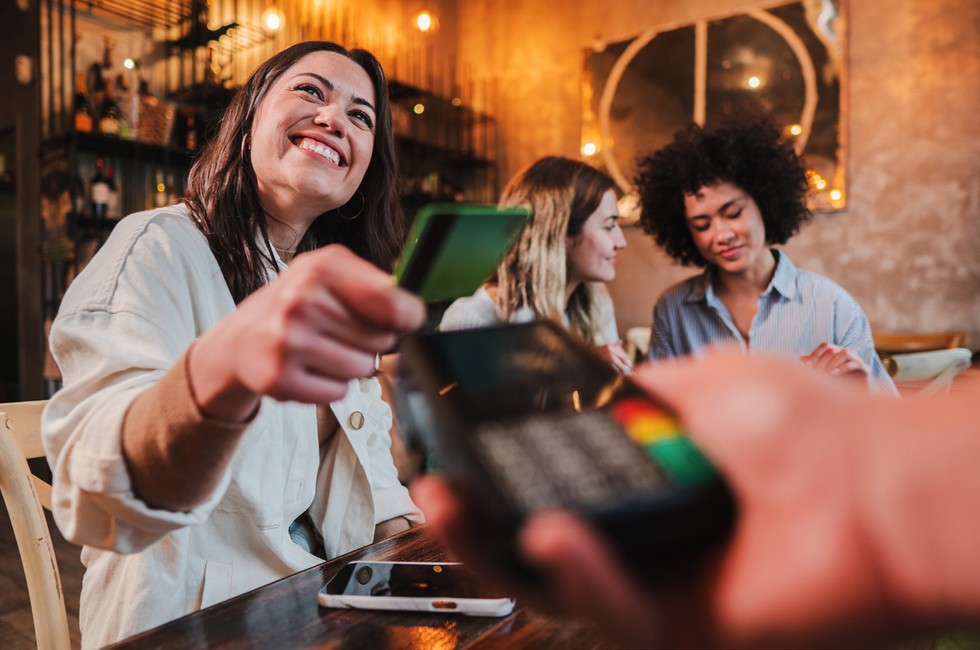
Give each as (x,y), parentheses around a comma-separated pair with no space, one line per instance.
(931,371)
(637,343)
(25,496)
(901,343)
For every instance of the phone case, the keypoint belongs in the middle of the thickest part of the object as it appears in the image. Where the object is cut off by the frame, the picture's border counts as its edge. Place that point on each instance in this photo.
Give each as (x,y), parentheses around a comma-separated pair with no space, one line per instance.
(443,603)
(468,606)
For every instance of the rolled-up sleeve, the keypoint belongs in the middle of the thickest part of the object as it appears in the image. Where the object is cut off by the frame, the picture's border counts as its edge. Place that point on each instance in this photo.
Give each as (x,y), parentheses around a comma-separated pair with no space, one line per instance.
(854,333)
(125,321)
(93,499)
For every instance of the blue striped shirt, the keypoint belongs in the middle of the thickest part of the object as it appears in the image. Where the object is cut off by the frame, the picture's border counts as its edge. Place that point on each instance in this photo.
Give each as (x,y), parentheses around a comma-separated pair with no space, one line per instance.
(797,312)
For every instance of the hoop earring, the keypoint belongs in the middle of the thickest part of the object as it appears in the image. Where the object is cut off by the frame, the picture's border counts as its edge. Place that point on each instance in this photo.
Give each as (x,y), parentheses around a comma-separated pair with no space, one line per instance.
(244,148)
(356,214)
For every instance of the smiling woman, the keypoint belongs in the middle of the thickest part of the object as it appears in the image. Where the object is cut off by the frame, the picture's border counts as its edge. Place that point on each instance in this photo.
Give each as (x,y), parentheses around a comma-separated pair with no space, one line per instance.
(314,95)
(560,264)
(217,429)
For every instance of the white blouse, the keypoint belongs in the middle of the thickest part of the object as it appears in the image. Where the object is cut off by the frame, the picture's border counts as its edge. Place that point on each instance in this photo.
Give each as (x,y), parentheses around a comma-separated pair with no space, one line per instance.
(148,293)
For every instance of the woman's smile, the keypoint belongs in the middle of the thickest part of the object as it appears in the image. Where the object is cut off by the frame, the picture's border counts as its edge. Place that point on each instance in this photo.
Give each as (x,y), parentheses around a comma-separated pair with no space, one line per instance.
(322,149)
(730,253)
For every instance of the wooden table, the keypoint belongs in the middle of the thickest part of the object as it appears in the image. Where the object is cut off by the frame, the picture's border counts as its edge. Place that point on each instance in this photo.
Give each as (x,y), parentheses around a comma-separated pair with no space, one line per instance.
(285,615)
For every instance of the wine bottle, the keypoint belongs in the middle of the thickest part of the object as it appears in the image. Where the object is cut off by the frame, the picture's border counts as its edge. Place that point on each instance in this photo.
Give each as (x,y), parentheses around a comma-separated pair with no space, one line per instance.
(114,203)
(110,119)
(172,193)
(99,188)
(191,141)
(83,106)
(78,195)
(127,111)
(96,88)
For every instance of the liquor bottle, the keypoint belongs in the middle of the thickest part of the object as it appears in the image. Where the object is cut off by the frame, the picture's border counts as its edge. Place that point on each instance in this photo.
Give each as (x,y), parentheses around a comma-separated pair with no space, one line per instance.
(172,193)
(99,188)
(110,119)
(78,195)
(126,102)
(83,106)
(159,191)
(96,88)
(191,140)
(114,203)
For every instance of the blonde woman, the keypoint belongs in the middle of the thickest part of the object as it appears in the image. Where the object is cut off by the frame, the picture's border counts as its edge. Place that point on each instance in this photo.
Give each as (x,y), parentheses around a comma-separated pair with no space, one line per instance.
(560,264)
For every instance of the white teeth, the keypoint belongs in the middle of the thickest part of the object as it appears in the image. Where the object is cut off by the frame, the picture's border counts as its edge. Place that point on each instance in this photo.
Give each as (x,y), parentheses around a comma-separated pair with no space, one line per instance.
(318,148)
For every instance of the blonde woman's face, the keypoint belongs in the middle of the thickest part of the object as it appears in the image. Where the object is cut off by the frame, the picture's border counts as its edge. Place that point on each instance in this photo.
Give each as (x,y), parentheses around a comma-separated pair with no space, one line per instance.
(591,255)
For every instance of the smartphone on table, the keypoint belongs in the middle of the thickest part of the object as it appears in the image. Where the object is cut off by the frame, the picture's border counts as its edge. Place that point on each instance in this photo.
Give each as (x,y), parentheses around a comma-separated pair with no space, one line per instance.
(445,587)
(452,248)
(527,417)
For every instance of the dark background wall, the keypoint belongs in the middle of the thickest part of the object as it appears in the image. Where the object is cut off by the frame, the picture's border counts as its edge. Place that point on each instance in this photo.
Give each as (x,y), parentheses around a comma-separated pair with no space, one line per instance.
(906,246)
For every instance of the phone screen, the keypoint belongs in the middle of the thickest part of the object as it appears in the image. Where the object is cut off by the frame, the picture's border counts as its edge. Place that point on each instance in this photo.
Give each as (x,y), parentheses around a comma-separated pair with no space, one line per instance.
(409,580)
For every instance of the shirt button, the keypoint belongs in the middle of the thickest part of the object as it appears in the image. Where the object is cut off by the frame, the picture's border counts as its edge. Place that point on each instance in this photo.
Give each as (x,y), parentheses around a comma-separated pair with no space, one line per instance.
(356,420)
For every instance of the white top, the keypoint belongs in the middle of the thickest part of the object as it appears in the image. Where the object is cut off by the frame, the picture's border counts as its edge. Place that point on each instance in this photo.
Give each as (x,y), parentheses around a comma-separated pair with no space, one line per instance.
(481,310)
(148,293)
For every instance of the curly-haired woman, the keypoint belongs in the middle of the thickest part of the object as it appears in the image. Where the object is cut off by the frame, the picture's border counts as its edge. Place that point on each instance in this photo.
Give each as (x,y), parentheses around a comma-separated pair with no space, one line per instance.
(720,198)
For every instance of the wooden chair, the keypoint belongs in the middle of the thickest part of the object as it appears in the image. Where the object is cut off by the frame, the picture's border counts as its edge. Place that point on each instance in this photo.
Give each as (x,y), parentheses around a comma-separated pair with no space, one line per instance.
(902,343)
(927,372)
(25,496)
(924,363)
(637,343)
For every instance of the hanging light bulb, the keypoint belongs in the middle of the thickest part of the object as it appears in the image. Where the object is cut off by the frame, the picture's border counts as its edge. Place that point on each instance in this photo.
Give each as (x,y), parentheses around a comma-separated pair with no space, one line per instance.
(272,18)
(426,22)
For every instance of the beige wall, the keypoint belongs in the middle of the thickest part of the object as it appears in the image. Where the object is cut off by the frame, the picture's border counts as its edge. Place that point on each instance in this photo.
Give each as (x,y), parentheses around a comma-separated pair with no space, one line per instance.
(907,247)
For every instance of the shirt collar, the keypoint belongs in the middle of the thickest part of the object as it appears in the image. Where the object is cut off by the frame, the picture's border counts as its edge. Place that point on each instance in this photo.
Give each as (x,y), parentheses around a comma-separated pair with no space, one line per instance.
(783,281)
(698,290)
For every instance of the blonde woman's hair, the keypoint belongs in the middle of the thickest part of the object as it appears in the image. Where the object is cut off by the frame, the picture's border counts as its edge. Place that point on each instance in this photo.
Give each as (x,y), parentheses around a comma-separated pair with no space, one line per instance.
(562,193)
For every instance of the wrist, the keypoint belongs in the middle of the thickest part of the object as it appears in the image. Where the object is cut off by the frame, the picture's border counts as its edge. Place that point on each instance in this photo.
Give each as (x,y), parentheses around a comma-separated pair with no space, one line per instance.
(214,389)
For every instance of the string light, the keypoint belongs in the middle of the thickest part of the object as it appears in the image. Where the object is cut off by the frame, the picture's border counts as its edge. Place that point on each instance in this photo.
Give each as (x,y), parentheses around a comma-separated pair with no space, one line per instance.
(272,18)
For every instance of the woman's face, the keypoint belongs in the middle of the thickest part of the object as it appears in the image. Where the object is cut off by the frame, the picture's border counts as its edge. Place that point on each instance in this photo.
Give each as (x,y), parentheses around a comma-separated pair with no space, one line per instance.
(591,254)
(727,228)
(312,137)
